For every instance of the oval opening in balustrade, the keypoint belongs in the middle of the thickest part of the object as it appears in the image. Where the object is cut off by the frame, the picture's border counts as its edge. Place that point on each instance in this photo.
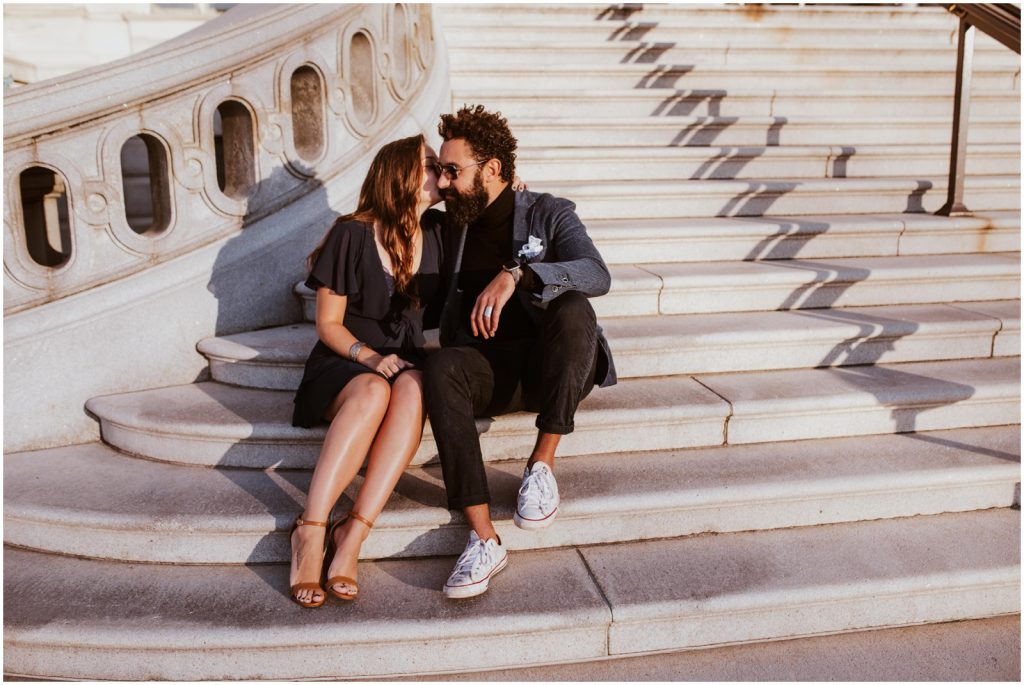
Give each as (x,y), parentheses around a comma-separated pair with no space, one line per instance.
(234,145)
(44,206)
(401,52)
(362,76)
(146,181)
(307,112)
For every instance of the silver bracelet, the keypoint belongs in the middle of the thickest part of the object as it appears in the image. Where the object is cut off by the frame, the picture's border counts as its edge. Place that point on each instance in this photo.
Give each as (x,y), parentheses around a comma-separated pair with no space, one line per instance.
(353,352)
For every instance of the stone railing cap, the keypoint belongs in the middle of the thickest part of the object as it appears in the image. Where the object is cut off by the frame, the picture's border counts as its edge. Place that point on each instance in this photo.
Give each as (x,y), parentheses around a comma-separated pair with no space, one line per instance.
(233,39)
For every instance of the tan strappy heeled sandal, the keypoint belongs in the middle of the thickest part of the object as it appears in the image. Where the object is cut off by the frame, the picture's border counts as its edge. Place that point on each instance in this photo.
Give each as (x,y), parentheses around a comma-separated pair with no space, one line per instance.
(311,585)
(333,580)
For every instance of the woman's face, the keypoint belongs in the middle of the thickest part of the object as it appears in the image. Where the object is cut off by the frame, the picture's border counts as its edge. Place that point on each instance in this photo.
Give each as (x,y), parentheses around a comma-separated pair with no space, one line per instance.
(429,192)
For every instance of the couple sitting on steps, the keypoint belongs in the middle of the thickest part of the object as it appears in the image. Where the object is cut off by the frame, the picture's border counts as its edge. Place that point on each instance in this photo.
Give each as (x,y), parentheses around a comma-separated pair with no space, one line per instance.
(506,275)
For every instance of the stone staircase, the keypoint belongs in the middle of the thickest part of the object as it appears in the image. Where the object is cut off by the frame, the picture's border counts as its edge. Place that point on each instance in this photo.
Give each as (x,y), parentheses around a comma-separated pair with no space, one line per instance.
(816,430)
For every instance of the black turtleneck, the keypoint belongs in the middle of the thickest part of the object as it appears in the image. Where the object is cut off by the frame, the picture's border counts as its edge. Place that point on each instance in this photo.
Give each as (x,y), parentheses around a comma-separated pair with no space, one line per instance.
(488,246)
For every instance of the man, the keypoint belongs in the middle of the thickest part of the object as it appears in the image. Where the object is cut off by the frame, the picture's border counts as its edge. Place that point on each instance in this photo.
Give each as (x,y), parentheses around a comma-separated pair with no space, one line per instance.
(517,331)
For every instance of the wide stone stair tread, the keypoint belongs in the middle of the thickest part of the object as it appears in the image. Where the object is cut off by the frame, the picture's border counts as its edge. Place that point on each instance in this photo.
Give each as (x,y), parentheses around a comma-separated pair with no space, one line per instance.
(642,164)
(216,424)
(816,284)
(631,34)
(476,49)
(659,198)
(813,403)
(196,622)
(850,78)
(705,131)
(977,650)
(773,283)
(1007,341)
(865,18)
(274,358)
(786,58)
(138,510)
(770,237)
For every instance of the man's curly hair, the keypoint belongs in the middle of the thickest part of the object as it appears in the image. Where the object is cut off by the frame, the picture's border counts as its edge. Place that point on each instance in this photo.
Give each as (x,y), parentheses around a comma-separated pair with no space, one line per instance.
(486,132)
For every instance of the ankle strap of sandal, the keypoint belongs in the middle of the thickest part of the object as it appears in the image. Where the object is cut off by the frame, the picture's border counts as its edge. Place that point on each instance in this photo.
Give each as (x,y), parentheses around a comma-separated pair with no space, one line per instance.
(300,522)
(357,517)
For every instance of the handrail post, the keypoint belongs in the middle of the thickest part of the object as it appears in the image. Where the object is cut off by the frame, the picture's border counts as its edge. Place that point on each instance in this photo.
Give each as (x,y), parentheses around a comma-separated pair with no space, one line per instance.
(961,105)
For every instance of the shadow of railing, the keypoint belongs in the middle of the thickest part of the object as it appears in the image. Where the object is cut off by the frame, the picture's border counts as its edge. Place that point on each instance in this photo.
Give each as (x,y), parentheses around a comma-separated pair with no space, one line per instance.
(646,53)
(855,359)
(702,133)
(757,199)
(664,76)
(621,12)
(686,102)
(632,31)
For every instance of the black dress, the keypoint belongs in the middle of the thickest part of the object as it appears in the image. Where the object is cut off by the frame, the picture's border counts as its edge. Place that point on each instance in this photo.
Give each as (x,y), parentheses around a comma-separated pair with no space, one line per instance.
(350,265)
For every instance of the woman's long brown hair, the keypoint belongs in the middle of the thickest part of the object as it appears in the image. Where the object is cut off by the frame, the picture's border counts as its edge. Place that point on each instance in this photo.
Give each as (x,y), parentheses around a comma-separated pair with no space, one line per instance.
(390,193)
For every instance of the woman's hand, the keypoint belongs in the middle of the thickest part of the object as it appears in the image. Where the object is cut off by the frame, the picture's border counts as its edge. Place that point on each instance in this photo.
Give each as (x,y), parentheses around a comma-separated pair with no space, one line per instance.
(519,184)
(388,366)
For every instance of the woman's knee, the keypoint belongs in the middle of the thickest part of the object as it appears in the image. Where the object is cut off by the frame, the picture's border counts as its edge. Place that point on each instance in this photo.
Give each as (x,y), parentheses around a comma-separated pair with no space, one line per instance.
(371,390)
(407,390)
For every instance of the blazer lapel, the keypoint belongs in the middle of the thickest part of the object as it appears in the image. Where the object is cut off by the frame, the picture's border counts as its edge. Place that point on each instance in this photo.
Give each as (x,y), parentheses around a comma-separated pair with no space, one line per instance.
(521,220)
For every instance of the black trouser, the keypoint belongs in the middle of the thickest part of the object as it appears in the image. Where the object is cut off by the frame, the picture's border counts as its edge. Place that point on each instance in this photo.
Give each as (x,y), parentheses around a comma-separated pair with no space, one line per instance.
(549,374)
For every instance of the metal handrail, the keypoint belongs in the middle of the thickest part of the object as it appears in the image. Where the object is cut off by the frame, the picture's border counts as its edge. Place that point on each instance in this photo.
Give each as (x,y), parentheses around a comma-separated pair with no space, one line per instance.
(999,20)
(1002,22)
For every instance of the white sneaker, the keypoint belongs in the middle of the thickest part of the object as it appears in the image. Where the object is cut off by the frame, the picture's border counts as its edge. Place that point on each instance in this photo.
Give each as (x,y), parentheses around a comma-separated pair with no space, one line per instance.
(538,500)
(480,562)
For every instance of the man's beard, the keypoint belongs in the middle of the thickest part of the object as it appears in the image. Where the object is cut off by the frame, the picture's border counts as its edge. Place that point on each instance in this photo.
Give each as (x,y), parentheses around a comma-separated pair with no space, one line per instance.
(465,208)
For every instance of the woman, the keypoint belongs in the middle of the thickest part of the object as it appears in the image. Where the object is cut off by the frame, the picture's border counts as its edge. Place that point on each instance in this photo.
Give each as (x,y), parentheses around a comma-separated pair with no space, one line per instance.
(376,275)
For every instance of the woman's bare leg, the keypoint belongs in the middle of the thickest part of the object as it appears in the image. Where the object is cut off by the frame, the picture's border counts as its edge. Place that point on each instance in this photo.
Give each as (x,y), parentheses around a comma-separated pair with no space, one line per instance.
(355,416)
(396,443)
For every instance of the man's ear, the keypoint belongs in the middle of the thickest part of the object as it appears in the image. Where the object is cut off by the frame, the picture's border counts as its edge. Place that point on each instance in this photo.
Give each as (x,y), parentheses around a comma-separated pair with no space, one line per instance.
(493,166)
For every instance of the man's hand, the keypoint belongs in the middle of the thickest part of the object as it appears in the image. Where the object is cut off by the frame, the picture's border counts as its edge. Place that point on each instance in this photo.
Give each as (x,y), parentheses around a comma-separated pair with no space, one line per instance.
(483,320)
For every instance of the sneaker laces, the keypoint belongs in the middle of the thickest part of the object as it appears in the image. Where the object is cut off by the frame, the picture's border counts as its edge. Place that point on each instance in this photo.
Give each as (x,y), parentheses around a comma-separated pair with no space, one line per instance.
(475,555)
(536,487)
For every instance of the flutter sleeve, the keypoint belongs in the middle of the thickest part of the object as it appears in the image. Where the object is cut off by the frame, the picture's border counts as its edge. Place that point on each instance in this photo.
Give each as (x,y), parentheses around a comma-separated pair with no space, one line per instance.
(338,265)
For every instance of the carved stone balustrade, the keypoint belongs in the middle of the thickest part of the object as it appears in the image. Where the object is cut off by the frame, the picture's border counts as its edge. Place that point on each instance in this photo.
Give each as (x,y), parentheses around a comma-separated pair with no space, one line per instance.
(173,195)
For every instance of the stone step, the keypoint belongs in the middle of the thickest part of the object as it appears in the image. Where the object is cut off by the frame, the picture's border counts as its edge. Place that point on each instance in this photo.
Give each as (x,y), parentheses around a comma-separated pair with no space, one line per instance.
(1007,342)
(773,406)
(476,49)
(714,239)
(273,358)
(135,622)
(562,76)
(756,341)
(980,650)
(699,131)
(779,282)
(142,511)
(639,241)
(656,102)
(696,16)
(706,287)
(213,424)
(725,34)
(609,199)
(546,165)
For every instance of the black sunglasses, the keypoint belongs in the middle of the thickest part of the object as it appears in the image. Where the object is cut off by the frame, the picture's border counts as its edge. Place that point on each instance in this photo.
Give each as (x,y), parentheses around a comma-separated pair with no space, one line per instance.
(452,170)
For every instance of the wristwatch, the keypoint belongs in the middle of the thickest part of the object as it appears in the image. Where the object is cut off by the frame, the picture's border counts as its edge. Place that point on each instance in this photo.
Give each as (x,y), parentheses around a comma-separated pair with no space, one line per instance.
(515,268)
(353,352)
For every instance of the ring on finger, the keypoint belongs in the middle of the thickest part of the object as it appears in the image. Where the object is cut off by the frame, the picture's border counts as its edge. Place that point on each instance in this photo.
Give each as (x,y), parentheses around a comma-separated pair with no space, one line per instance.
(488,310)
